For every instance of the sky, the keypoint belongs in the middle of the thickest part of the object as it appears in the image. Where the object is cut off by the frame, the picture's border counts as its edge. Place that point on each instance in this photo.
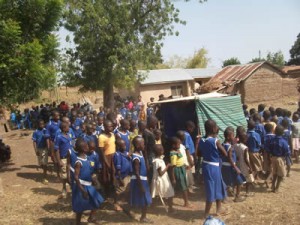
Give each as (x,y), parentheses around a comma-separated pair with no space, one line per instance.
(233,28)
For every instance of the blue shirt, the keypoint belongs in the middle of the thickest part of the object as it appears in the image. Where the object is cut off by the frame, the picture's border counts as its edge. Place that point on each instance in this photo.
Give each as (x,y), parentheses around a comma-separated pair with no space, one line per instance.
(267,141)
(122,162)
(209,150)
(188,143)
(63,143)
(52,127)
(40,138)
(87,138)
(149,111)
(124,137)
(141,159)
(259,128)
(279,147)
(101,114)
(95,162)
(254,141)
(225,159)
(123,111)
(280,118)
(72,135)
(100,129)
(76,127)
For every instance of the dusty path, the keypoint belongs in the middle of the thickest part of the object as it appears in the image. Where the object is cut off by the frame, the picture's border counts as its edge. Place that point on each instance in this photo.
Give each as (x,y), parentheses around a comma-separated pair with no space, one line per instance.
(25,200)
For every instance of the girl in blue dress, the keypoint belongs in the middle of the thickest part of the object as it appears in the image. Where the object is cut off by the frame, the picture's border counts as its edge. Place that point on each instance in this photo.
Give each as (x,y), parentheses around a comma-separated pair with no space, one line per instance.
(210,149)
(139,188)
(84,195)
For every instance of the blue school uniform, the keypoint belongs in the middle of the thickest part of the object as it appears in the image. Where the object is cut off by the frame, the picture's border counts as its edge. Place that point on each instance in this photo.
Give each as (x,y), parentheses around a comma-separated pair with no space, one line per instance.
(124,137)
(150,111)
(254,141)
(87,138)
(188,143)
(40,137)
(73,158)
(279,121)
(100,129)
(287,135)
(123,111)
(230,176)
(79,203)
(63,143)
(76,127)
(71,134)
(95,162)
(215,188)
(138,198)
(52,127)
(267,141)
(259,128)
(122,162)
(279,147)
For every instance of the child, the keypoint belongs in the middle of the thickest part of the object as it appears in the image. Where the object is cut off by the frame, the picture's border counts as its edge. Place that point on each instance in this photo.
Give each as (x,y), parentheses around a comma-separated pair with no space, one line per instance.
(157,133)
(231,173)
(288,137)
(133,133)
(139,189)
(123,133)
(243,161)
(41,146)
(142,113)
(63,143)
(123,167)
(100,126)
(95,163)
(279,149)
(84,195)
(210,149)
(269,128)
(296,136)
(89,136)
(254,145)
(150,110)
(188,161)
(161,185)
(178,174)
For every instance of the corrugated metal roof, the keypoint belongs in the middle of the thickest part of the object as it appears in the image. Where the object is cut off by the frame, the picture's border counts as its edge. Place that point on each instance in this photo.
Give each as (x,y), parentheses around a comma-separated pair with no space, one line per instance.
(203,72)
(237,73)
(176,75)
(287,69)
(165,76)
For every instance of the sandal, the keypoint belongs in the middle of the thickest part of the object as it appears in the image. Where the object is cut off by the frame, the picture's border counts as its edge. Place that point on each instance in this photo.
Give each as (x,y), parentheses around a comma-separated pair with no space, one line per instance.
(117,208)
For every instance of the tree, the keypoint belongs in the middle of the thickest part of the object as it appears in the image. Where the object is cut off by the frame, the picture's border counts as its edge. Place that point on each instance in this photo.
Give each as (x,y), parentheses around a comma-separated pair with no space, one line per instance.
(276,58)
(258,59)
(176,61)
(295,52)
(113,37)
(199,60)
(231,61)
(28,48)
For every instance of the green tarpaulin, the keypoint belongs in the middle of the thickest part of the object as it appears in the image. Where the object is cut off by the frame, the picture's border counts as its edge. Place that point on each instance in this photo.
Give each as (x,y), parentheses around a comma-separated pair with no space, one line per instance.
(226,111)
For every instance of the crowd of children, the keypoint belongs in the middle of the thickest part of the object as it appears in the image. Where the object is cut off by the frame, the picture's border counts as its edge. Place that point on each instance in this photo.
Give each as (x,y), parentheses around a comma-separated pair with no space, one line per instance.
(112,154)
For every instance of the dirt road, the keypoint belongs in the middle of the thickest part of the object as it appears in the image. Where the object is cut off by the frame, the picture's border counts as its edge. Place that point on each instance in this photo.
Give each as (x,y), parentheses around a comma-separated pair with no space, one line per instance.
(25,200)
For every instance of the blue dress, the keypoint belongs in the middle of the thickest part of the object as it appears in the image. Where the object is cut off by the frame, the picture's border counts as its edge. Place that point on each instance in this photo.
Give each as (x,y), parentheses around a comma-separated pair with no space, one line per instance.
(230,176)
(73,159)
(138,198)
(79,203)
(215,188)
(125,138)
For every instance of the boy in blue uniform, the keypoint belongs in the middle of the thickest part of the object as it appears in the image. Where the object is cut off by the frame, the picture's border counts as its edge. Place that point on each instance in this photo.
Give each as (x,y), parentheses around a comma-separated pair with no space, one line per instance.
(279,149)
(41,146)
(89,136)
(96,165)
(266,152)
(123,172)
(63,143)
(76,126)
(123,133)
(287,135)
(52,127)
(254,146)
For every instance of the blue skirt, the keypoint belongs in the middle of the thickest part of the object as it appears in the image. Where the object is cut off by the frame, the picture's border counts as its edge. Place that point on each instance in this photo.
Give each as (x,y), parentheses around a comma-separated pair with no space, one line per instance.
(215,188)
(138,198)
(80,204)
(231,178)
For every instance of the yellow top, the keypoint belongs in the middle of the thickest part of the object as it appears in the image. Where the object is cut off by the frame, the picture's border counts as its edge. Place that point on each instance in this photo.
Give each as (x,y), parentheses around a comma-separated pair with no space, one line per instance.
(108,143)
(176,159)
(132,135)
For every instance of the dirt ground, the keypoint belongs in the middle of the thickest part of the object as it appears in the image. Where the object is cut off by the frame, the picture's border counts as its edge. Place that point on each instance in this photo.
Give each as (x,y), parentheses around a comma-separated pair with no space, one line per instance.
(25,200)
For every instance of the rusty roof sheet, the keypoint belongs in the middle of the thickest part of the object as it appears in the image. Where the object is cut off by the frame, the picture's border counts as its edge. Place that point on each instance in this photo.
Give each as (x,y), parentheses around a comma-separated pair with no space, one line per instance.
(236,73)
(287,69)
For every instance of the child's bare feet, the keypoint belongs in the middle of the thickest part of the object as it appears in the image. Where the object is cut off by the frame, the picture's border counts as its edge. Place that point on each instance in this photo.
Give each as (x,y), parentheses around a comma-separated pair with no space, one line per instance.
(92,219)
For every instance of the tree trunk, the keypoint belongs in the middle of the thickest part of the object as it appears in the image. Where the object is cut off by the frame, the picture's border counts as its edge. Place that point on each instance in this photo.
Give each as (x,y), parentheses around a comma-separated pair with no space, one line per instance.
(108,95)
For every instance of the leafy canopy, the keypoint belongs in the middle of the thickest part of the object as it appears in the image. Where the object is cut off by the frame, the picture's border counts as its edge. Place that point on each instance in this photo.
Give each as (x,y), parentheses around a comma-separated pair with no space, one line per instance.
(231,61)
(113,38)
(28,48)
(295,52)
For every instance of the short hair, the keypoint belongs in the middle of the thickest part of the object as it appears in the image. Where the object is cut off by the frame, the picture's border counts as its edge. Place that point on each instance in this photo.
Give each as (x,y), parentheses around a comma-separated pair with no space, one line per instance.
(285,123)
(251,125)
(267,114)
(228,131)
(189,123)
(209,126)
(279,131)
(269,127)
(256,117)
(136,140)
(261,107)
(174,140)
